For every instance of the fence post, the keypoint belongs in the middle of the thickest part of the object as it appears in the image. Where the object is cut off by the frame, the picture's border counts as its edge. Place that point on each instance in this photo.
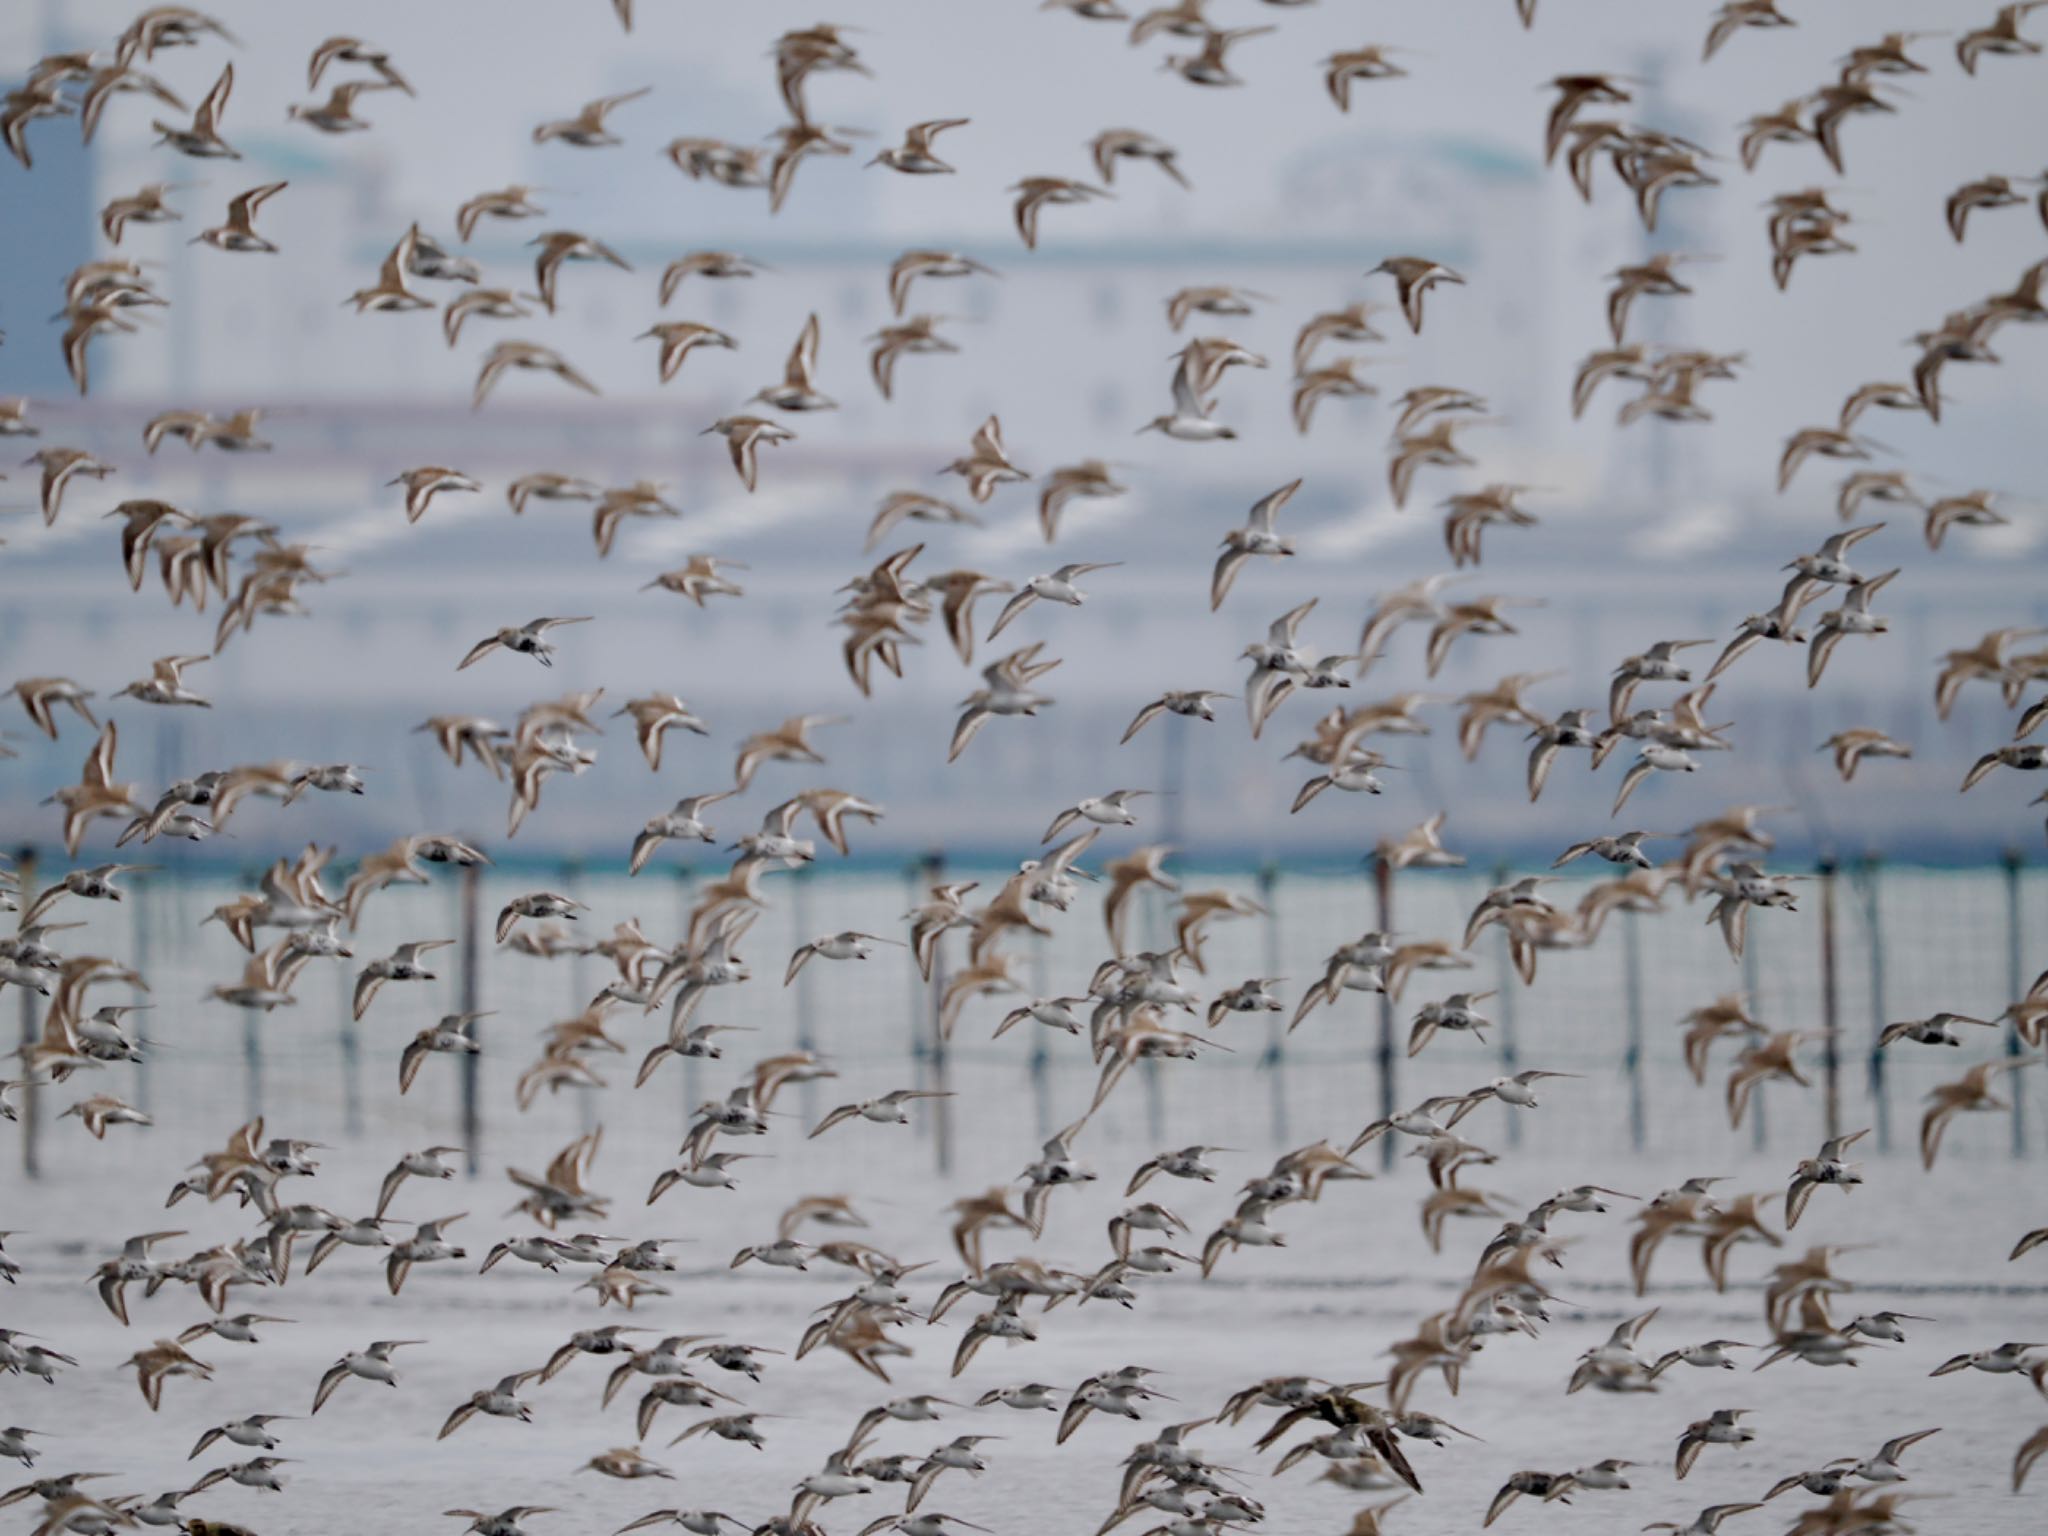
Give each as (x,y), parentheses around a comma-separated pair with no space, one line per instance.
(924,1005)
(139,929)
(942,1108)
(1173,758)
(579,985)
(1873,920)
(351,1058)
(348,1043)
(1758,1135)
(471,929)
(2015,973)
(1508,978)
(1041,1054)
(252,1064)
(252,1043)
(1274,1059)
(806,1032)
(1632,1002)
(690,1098)
(31,1094)
(1831,1048)
(1150,1069)
(1383,893)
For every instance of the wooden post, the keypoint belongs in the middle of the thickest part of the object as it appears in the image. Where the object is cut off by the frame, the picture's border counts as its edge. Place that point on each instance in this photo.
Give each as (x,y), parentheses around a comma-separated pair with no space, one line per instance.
(806,1032)
(1150,1069)
(472,992)
(1383,891)
(1759,1133)
(1632,1000)
(1508,979)
(1831,1049)
(942,1109)
(2015,984)
(139,950)
(252,1047)
(683,901)
(1873,917)
(30,1102)
(252,1064)
(579,988)
(1041,1051)
(923,1004)
(1275,1060)
(351,1055)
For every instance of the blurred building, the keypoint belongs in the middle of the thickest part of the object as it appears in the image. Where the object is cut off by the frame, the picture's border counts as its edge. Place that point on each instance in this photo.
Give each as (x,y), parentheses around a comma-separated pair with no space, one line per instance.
(1650,532)
(46,230)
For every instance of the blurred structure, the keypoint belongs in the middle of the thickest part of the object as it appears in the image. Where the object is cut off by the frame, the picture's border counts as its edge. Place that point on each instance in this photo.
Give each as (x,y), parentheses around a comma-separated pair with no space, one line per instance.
(1907,941)
(1648,531)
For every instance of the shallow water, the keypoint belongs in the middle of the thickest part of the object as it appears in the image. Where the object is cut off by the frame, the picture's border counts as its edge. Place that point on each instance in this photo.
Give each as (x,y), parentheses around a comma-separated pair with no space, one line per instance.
(1356,1273)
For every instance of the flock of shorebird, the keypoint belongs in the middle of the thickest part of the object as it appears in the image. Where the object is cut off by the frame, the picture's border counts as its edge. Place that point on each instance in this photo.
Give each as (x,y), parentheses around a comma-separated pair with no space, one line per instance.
(1126,1009)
